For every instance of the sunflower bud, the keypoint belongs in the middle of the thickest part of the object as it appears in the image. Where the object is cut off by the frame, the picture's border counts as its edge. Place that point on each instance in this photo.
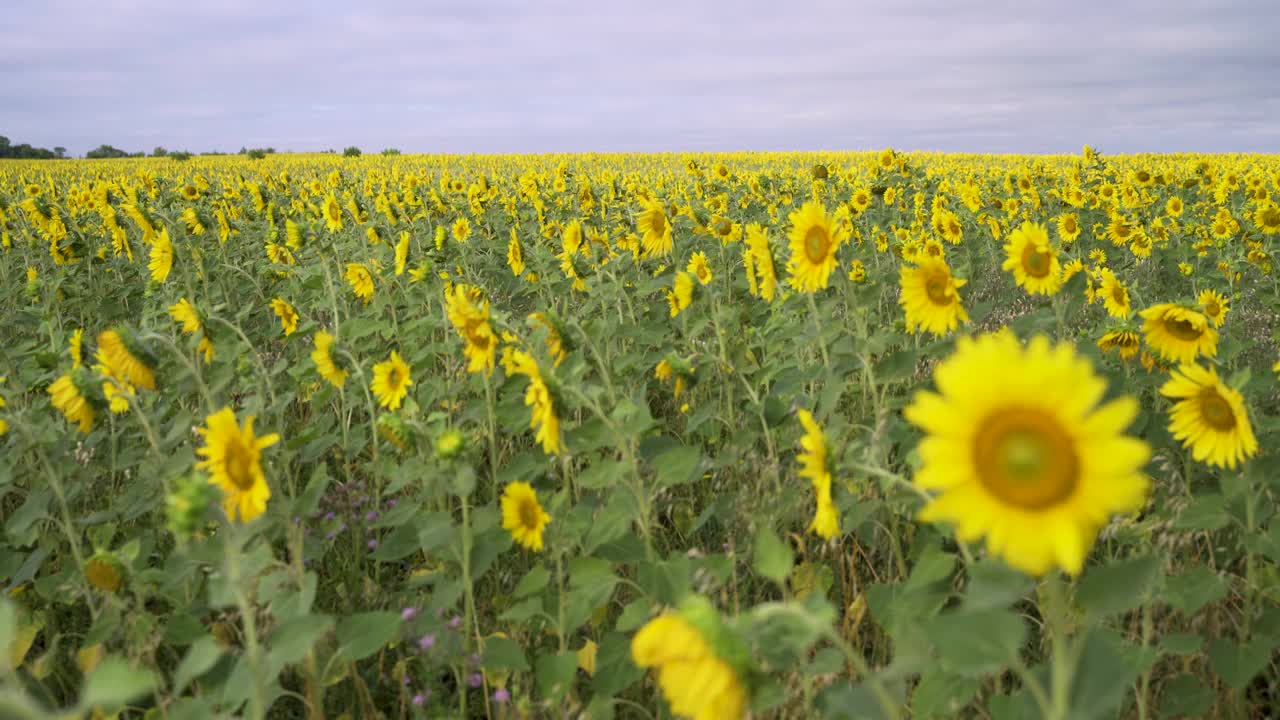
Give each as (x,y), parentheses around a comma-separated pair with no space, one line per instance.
(395,431)
(104,571)
(450,444)
(187,506)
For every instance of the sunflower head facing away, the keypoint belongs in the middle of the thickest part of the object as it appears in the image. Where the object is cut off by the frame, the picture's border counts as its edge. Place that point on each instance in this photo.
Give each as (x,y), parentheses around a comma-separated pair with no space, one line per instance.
(697,660)
(1021,452)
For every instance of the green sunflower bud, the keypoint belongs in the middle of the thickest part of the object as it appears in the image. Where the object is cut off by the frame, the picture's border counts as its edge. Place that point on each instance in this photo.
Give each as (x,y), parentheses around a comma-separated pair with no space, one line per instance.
(450,444)
(187,506)
(104,571)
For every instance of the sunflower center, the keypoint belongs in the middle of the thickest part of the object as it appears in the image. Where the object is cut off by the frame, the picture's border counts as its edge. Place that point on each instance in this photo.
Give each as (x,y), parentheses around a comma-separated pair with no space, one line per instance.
(1212,308)
(1216,411)
(1271,217)
(529,515)
(1183,329)
(239,464)
(1036,261)
(816,243)
(1025,458)
(393,378)
(1069,225)
(938,288)
(1119,295)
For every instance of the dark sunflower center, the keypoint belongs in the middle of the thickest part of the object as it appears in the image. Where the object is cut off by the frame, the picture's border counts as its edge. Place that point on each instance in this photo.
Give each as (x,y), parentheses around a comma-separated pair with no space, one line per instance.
(938,288)
(1216,411)
(239,464)
(1025,458)
(1120,295)
(393,378)
(529,515)
(1212,308)
(1069,225)
(1271,217)
(1183,329)
(1035,261)
(816,243)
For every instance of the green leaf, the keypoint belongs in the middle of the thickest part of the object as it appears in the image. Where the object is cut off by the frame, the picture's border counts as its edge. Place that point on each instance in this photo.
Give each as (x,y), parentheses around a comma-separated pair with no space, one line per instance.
(993,584)
(846,701)
(1238,664)
(1181,644)
(1185,696)
(677,466)
(973,644)
(291,640)
(533,581)
(1193,589)
(114,682)
(933,566)
(771,557)
(941,694)
(503,654)
(1102,676)
(1206,512)
(1118,586)
(614,667)
(555,674)
(601,474)
(364,634)
(307,503)
(633,615)
(202,656)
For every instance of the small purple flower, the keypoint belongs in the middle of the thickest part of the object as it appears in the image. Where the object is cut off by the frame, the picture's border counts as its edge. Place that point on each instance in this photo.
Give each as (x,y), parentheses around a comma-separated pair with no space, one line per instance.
(476,680)
(426,642)
(391,503)
(455,621)
(408,613)
(501,696)
(420,699)
(373,544)
(329,515)
(371,516)
(474,659)
(329,535)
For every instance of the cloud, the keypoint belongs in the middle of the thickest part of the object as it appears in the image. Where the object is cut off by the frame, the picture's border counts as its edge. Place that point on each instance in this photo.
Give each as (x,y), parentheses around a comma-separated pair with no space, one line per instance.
(569,75)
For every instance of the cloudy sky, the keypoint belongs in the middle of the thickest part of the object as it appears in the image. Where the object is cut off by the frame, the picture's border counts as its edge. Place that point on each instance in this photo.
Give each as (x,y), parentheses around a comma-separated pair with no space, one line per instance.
(569,75)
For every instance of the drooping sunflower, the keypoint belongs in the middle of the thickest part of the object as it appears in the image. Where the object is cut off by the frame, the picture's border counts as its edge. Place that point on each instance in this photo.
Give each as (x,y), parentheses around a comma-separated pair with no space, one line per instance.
(1020,451)
(1126,342)
(556,346)
(1214,306)
(1033,261)
(360,280)
(75,348)
(680,296)
(160,261)
(931,298)
(4,424)
(126,359)
(699,268)
(391,381)
(323,358)
(813,465)
(523,516)
(654,228)
(1209,417)
(1179,333)
(287,314)
(402,252)
(192,220)
(515,255)
(69,395)
(185,313)
(762,261)
(695,657)
(542,406)
(815,236)
(233,458)
(1115,296)
(468,312)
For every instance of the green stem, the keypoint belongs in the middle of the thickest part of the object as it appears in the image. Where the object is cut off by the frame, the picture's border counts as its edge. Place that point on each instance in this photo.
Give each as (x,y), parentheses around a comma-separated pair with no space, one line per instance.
(1063,656)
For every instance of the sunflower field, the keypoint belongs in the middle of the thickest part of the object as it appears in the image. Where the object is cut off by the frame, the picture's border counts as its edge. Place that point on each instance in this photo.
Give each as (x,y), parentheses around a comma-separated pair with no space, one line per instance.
(833,435)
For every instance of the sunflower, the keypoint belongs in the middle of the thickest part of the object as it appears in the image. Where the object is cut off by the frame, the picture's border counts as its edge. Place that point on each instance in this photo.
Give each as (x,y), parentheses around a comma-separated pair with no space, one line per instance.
(75,348)
(332,214)
(125,359)
(1115,296)
(402,252)
(190,192)
(813,465)
(523,516)
(191,219)
(654,228)
(184,312)
(762,261)
(1033,260)
(931,298)
(1267,218)
(287,314)
(4,424)
(515,255)
(1119,230)
(1214,306)
(860,200)
(680,296)
(360,280)
(1068,227)
(1209,417)
(66,395)
(391,381)
(1021,453)
(815,237)
(543,419)
(857,271)
(232,457)
(160,262)
(1179,333)
(699,268)
(323,358)
(947,225)
(685,649)
(1126,342)
(461,229)
(556,346)
(468,312)
(1174,206)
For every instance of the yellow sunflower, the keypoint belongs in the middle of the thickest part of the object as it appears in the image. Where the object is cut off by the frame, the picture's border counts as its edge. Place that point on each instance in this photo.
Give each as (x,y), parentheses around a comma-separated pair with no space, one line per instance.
(654,228)
(468,312)
(287,314)
(4,424)
(515,255)
(1209,417)
(232,457)
(402,252)
(1214,306)
(542,406)
(323,358)
(1126,342)
(815,236)
(67,397)
(332,214)
(1115,296)
(931,298)
(762,261)
(185,313)
(1020,451)
(699,268)
(696,681)
(391,381)
(461,229)
(1033,261)
(360,280)
(1267,218)
(813,465)
(126,360)
(680,296)
(75,348)
(1068,227)
(523,516)
(1179,333)
(160,261)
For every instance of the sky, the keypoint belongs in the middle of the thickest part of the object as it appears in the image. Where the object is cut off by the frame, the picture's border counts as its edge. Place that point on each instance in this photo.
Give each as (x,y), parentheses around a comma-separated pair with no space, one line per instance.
(497,76)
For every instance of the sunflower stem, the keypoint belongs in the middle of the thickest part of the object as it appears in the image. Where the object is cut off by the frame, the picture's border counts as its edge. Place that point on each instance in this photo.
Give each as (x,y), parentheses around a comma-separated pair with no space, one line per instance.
(1063,656)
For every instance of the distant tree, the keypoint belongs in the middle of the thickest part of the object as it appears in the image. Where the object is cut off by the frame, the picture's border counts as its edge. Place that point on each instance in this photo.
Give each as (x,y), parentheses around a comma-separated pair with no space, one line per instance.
(257,154)
(391,151)
(24,151)
(352,151)
(180,155)
(105,151)
(60,152)
(159,152)
(137,154)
